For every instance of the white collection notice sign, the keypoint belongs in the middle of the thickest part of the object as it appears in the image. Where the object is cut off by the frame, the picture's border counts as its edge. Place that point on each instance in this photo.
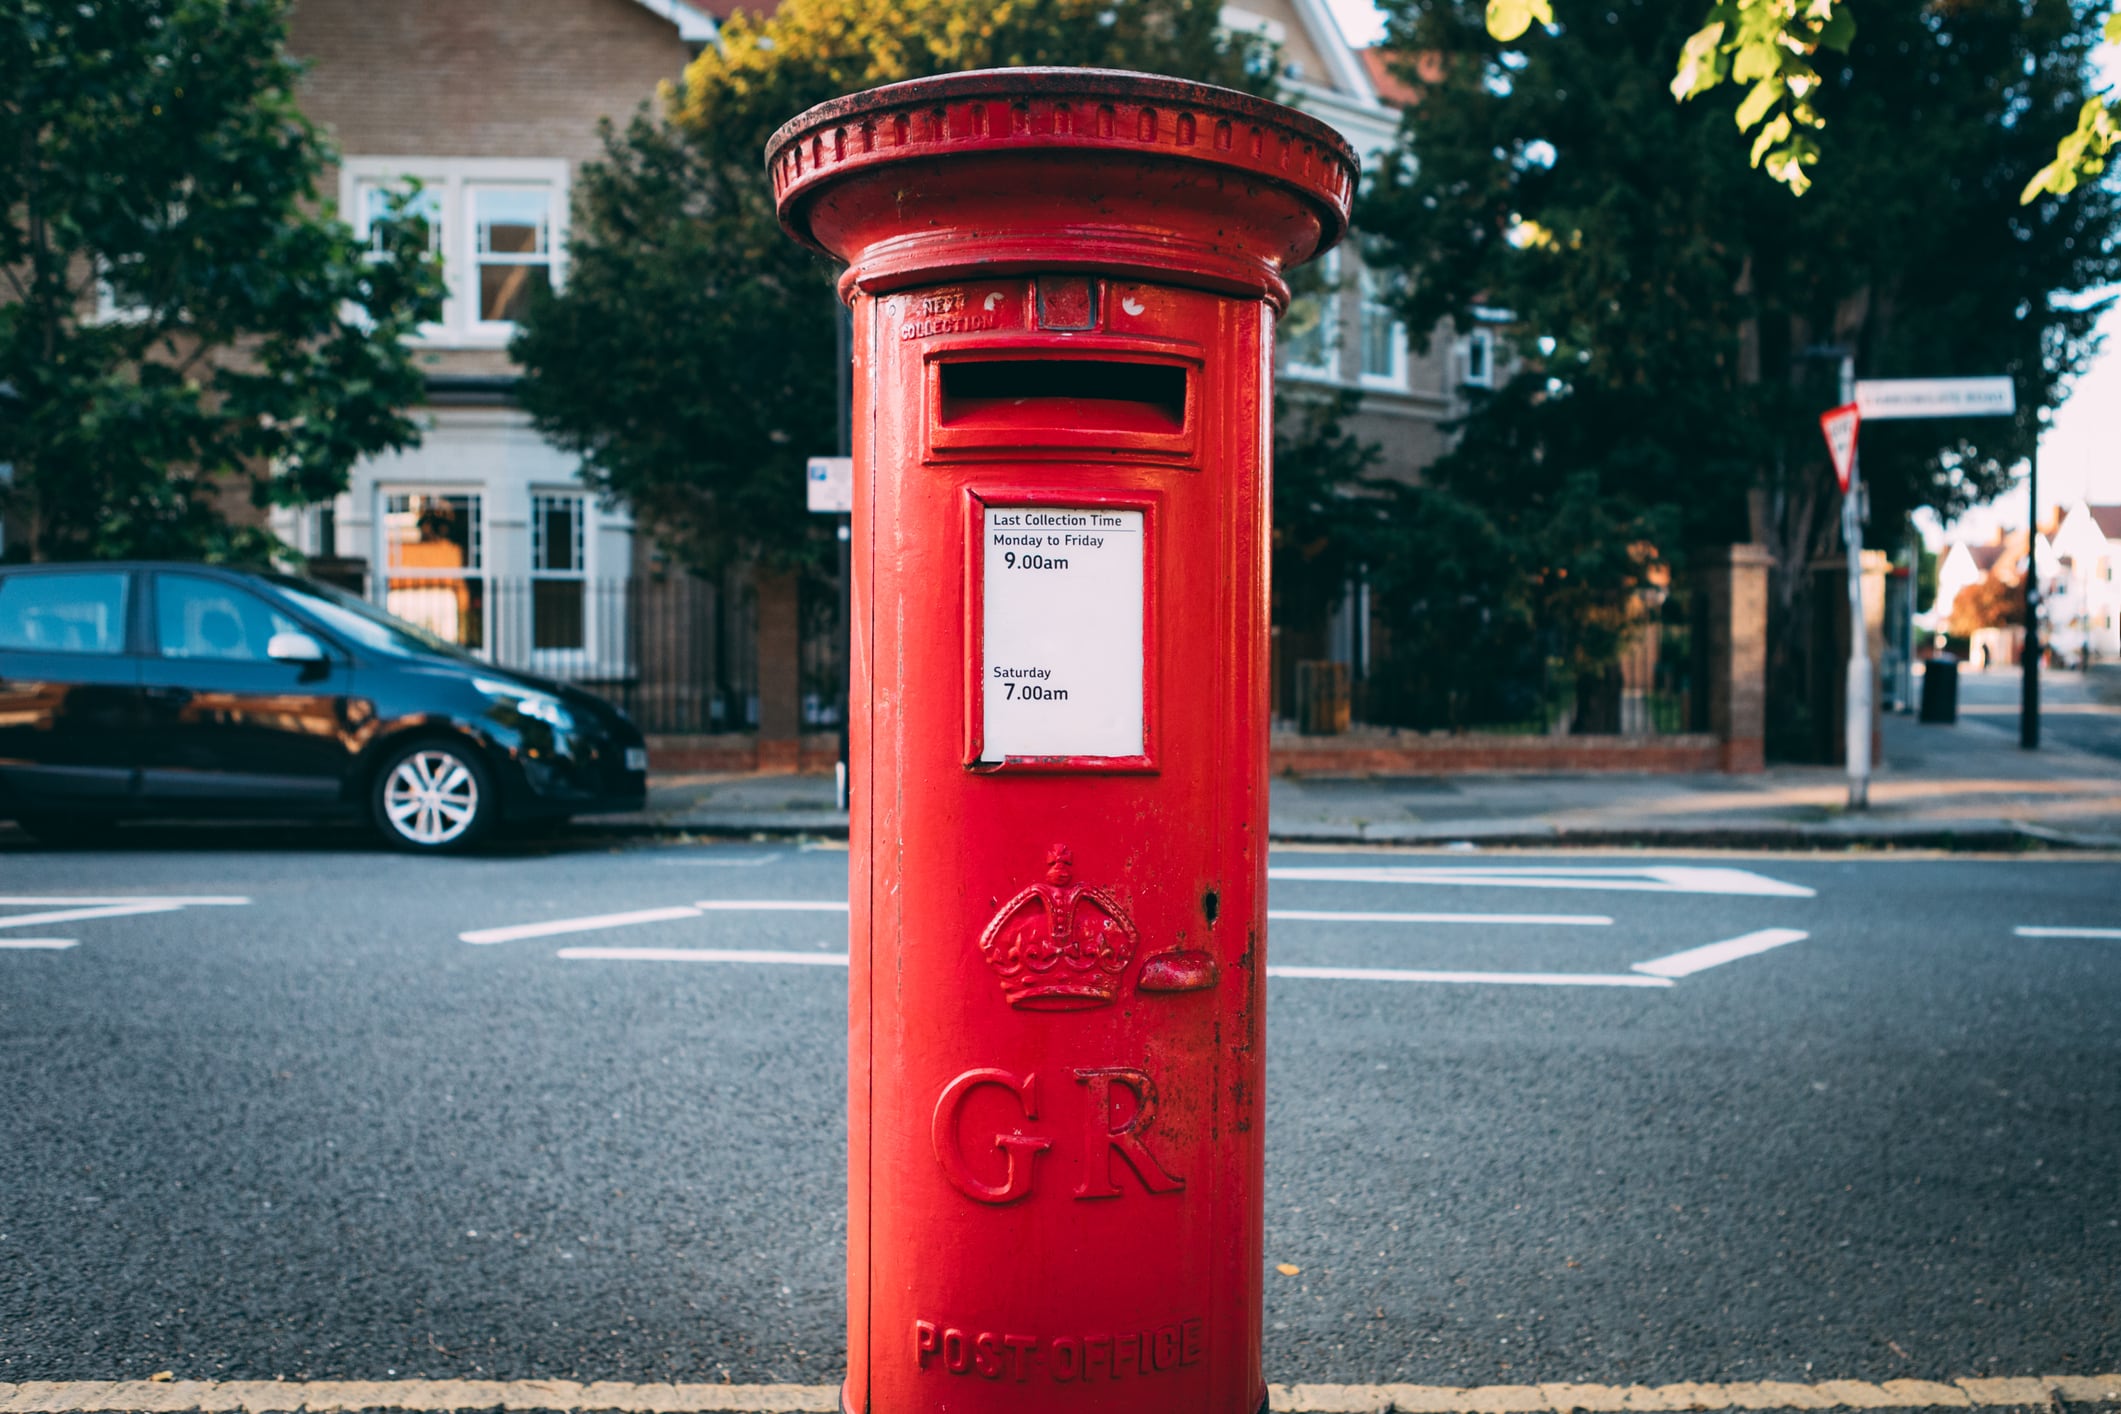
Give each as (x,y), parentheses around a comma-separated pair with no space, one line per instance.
(1061,667)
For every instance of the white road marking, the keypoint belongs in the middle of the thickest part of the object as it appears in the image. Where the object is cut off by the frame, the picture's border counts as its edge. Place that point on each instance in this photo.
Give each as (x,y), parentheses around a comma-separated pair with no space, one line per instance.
(1558,920)
(2067,932)
(79,908)
(76,915)
(1660,972)
(747,861)
(1344,974)
(591,924)
(1523,979)
(1693,960)
(174,900)
(1654,879)
(786,959)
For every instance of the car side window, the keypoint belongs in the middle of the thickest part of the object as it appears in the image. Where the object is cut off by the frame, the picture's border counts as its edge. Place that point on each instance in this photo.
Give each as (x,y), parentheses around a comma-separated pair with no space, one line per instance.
(64,613)
(206,619)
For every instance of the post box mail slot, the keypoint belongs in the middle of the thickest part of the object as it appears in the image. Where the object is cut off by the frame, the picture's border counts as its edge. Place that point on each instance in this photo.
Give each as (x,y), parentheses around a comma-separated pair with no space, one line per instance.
(1123,397)
(1064,285)
(1064,394)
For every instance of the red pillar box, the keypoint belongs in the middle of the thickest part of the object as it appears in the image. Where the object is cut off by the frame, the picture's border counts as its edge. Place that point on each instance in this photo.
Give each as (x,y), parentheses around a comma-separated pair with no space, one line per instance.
(1064,285)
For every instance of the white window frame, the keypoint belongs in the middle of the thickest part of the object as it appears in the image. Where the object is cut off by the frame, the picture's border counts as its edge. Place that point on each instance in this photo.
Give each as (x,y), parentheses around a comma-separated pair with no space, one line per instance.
(1372,298)
(108,309)
(1329,326)
(1484,339)
(453,180)
(585,656)
(477,260)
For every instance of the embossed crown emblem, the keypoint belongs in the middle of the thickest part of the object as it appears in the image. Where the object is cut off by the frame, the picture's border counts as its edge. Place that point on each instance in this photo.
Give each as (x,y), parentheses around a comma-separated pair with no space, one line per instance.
(1059,946)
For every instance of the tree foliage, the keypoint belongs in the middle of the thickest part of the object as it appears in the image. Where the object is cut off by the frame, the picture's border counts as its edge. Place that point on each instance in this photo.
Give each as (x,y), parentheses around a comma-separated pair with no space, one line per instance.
(1678,325)
(1487,588)
(1989,602)
(1770,44)
(2084,150)
(691,358)
(176,317)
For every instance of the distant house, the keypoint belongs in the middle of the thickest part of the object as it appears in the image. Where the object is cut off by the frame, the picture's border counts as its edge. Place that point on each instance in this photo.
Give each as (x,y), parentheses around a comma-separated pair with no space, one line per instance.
(2076,555)
(2084,603)
(1963,565)
(1346,336)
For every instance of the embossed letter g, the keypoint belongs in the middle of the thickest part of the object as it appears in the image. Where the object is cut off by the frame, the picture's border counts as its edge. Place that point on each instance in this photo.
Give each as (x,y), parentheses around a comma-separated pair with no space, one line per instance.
(1020,1147)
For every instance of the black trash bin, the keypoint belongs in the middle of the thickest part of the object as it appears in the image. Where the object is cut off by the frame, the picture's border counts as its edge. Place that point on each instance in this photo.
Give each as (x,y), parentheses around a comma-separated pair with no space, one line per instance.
(1940,689)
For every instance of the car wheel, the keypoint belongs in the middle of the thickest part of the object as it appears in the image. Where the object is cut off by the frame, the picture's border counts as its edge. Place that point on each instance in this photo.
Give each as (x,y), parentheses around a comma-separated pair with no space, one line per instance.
(65,831)
(434,796)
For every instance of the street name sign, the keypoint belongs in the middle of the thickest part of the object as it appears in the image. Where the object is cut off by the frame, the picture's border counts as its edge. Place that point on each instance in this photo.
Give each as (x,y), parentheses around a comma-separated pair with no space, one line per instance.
(831,485)
(1884,399)
(1839,425)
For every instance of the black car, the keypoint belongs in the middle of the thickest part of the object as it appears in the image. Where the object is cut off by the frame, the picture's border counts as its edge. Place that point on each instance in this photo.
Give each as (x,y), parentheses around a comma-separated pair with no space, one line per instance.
(185,690)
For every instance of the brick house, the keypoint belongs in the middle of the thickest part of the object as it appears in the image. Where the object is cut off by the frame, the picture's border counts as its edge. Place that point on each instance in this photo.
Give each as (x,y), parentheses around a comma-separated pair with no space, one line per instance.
(484,533)
(1346,337)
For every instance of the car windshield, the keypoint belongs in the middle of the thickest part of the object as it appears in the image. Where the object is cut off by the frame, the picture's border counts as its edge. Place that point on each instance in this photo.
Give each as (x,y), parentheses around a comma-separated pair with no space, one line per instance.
(363,622)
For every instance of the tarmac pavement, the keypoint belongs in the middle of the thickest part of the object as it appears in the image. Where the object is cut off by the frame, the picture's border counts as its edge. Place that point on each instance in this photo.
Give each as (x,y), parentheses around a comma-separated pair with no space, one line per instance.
(1708,1132)
(1961,786)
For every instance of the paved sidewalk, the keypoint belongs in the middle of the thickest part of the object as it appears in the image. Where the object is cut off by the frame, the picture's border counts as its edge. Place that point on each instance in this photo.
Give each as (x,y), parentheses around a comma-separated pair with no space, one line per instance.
(1966,786)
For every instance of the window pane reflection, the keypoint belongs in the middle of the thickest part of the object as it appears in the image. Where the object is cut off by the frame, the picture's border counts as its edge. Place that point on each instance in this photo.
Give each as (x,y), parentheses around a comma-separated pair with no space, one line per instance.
(435,553)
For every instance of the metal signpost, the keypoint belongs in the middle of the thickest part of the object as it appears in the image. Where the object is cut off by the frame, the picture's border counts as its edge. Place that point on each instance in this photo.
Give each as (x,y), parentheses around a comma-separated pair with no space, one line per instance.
(1890,399)
(1839,426)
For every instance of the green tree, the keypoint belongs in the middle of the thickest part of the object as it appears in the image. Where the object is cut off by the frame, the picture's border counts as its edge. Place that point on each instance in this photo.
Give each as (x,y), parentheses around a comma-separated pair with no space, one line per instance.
(1771,46)
(690,361)
(1679,324)
(1326,504)
(176,317)
(1989,602)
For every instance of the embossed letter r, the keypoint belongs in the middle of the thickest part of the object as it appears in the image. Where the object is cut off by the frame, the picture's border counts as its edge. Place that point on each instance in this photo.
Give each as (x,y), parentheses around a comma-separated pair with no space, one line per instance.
(1105,1138)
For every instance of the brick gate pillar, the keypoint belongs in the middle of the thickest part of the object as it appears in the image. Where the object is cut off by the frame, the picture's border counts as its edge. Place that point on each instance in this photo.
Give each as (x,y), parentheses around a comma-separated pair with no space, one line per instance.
(1735,585)
(780,666)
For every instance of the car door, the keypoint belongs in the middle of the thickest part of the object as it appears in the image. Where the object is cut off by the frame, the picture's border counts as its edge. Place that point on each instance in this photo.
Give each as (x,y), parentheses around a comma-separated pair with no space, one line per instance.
(225,721)
(69,690)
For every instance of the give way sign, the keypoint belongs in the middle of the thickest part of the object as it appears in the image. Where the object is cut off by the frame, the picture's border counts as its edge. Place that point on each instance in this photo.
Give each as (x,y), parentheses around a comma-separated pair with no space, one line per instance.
(1839,425)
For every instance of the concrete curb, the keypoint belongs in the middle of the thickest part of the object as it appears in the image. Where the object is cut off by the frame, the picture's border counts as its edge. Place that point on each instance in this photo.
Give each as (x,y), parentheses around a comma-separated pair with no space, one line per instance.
(2013,837)
(569,1397)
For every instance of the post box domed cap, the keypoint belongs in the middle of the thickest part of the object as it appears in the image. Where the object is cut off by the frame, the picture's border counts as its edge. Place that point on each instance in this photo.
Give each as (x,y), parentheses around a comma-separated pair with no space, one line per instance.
(988,123)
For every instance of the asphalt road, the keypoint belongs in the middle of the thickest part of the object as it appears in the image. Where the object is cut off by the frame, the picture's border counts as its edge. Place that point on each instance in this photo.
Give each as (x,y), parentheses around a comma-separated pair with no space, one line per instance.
(2070,713)
(317,1135)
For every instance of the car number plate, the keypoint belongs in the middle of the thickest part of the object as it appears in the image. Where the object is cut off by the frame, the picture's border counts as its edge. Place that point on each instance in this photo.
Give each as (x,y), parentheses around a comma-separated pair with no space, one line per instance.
(636,758)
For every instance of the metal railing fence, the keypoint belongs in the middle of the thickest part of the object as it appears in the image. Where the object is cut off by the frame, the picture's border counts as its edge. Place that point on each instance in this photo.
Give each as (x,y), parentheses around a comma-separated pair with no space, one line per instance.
(675,652)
